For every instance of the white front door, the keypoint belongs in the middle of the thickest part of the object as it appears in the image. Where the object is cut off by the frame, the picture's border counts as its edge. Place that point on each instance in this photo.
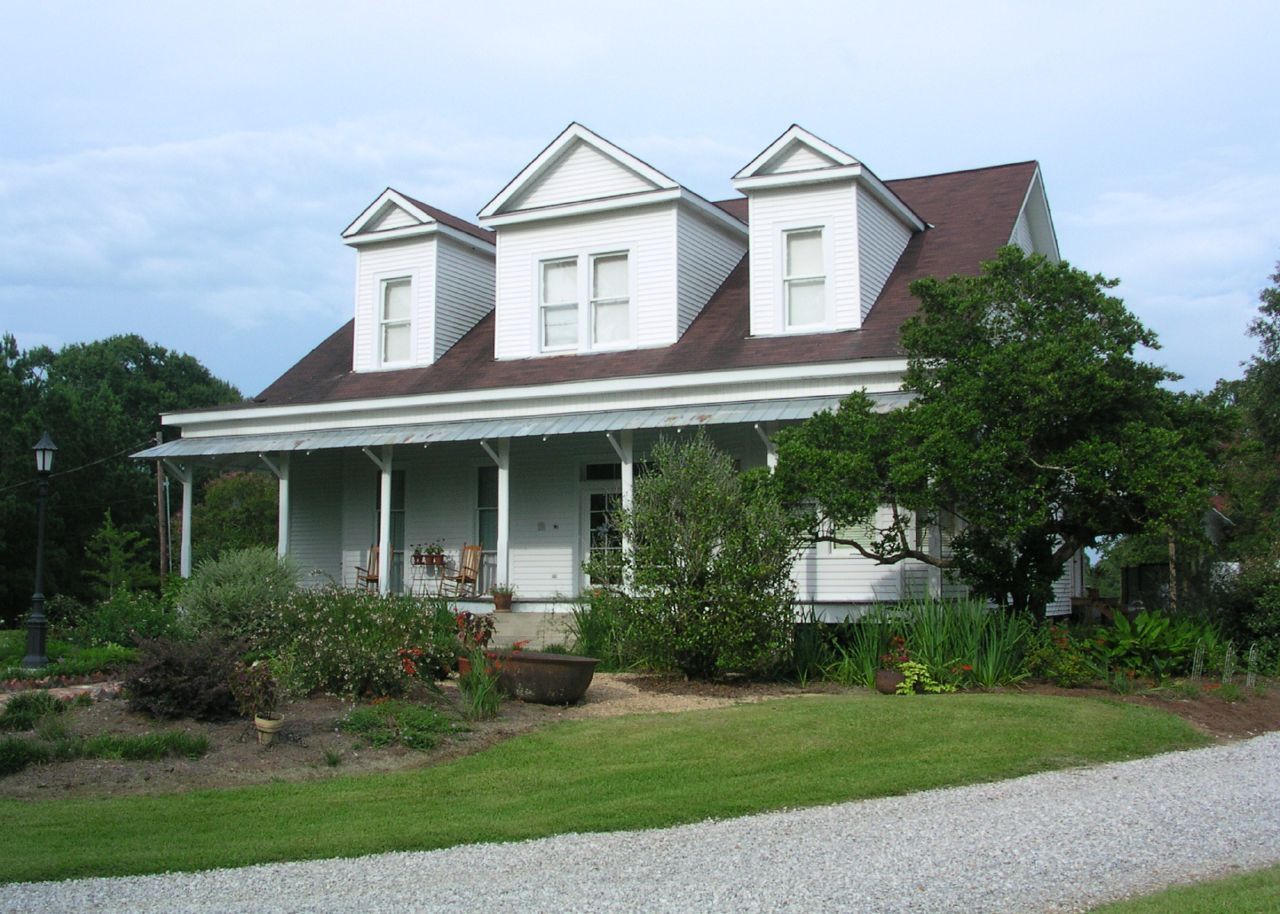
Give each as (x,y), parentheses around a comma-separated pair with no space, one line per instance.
(599,536)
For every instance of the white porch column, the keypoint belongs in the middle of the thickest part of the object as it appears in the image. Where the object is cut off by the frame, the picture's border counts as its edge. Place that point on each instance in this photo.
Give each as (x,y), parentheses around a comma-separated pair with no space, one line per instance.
(280,467)
(623,446)
(502,457)
(770,449)
(187,476)
(383,463)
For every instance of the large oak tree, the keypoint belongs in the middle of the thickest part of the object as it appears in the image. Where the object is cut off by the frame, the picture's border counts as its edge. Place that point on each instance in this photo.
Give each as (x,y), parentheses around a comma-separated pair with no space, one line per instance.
(1035,424)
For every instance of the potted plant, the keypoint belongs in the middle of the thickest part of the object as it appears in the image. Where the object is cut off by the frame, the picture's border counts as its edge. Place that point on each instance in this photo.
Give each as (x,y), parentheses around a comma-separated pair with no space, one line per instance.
(889,676)
(431,553)
(474,632)
(257,694)
(502,595)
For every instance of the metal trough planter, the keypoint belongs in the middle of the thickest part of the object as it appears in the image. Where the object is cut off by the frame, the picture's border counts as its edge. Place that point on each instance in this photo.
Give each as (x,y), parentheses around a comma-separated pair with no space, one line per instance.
(545,679)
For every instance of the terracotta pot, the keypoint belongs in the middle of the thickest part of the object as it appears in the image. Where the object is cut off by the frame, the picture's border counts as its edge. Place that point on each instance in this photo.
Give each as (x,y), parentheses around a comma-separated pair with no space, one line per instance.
(267,727)
(887,681)
(502,602)
(545,679)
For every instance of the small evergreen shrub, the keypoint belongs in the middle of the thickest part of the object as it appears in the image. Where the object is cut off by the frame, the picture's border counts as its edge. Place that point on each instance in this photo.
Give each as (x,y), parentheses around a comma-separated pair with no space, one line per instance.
(16,754)
(390,723)
(184,679)
(234,594)
(23,710)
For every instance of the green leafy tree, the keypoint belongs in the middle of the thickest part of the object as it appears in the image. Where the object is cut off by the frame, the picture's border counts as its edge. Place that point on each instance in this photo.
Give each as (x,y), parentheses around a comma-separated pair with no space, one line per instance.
(100,401)
(1034,424)
(236,511)
(707,581)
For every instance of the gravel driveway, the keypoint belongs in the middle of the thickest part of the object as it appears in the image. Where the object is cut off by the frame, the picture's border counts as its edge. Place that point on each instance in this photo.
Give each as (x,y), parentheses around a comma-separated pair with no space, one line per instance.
(1061,841)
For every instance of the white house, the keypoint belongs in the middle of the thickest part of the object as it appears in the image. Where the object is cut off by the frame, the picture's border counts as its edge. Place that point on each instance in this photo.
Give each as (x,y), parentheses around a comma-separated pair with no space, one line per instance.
(498,382)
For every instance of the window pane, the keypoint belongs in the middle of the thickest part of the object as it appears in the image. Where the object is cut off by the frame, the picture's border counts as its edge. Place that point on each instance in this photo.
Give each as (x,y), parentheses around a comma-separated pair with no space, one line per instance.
(560,326)
(395,301)
(559,282)
(395,343)
(610,279)
(613,324)
(805,302)
(804,253)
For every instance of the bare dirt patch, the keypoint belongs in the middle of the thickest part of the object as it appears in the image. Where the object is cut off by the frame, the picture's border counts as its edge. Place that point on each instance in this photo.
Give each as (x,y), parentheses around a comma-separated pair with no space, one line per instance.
(311,739)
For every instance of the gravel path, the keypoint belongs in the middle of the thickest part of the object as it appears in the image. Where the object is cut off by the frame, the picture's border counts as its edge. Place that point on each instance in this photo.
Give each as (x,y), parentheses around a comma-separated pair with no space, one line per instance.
(1061,841)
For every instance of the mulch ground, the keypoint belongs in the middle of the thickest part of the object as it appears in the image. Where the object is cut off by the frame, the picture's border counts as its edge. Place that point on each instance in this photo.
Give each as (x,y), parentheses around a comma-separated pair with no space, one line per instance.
(311,742)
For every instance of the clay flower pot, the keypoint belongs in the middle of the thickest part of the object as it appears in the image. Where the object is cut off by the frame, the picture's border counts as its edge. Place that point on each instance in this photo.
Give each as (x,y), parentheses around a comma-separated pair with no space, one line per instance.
(267,727)
(887,681)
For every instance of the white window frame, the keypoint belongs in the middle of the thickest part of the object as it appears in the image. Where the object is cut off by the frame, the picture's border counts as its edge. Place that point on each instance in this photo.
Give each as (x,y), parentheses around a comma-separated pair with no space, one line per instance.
(786,279)
(385,283)
(585,303)
(544,306)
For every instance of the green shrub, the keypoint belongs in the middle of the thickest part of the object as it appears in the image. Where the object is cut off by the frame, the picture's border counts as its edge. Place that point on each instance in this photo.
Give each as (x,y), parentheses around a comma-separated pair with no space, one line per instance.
(600,629)
(1154,644)
(233,594)
(1250,602)
(128,618)
(184,679)
(479,687)
(16,754)
(348,642)
(23,710)
(390,723)
(1054,655)
(708,575)
(145,746)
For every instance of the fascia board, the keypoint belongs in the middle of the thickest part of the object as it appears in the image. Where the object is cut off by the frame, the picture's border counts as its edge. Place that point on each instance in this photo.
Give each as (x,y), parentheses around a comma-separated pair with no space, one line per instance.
(713,212)
(583,207)
(790,178)
(407,231)
(724,377)
(1037,181)
(551,154)
(891,200)
(794,133)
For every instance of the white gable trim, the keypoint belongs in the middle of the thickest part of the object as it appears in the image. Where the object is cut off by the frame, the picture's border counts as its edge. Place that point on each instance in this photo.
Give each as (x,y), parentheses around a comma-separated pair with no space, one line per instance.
(417,231)
(1037,185)
(549,157)
(794,134)
(389,196)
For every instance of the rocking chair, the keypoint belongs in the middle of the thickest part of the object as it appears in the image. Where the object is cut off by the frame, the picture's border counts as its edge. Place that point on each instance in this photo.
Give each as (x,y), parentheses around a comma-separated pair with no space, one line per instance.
(367,577)
(463,584)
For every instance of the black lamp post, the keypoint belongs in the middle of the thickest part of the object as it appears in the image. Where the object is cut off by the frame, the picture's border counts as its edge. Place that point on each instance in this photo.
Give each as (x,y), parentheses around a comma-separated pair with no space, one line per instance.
(37,624)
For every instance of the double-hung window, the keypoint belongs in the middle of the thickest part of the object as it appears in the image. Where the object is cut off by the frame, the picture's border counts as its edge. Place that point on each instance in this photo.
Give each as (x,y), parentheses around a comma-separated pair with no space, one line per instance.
(586,297)
(610,300)
(396,320)
(560,304)
(804,278)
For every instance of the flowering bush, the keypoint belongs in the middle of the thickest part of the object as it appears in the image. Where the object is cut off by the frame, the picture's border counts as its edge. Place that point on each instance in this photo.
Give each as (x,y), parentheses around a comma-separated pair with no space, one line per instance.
(356,642)
(1054,655)
(474,631)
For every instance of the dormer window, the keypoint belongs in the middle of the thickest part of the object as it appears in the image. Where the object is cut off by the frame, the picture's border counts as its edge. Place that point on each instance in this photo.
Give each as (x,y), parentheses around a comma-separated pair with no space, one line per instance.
(587,297)
(560,304)
(610,300)
(396,320)
(804,279)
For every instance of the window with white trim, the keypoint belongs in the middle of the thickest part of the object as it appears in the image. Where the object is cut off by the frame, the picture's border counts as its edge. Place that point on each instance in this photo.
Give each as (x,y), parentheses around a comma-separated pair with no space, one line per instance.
(804,278)
(396,320)
(559,309)
(610,300)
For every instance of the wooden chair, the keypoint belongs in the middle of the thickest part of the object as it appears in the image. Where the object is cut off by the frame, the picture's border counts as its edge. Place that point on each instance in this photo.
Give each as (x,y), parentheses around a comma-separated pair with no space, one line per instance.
(367,577)
(464,582)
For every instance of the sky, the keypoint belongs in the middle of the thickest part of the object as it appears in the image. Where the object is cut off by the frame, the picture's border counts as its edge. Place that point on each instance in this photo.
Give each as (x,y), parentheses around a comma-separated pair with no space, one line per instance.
(184,171)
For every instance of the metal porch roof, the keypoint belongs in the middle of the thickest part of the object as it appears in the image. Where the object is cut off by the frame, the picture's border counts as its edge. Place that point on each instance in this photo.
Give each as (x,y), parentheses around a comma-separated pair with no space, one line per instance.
(515,427)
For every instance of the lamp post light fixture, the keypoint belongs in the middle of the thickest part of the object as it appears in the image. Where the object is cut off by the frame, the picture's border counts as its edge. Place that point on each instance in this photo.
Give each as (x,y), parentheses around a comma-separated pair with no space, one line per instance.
(37,624)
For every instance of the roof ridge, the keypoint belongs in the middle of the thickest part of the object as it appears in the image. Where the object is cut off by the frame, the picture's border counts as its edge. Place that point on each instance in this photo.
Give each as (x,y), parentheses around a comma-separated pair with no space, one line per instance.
(964,171)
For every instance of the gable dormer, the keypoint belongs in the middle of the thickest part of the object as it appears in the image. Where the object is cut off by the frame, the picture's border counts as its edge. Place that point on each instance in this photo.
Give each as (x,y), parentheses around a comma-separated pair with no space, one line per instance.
(423,279)
(825,235)
(599,251)
(1033,231)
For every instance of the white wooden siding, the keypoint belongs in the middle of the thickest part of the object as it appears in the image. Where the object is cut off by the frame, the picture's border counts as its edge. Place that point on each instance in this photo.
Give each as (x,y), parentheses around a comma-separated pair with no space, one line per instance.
(391,217)
(315,517)
(798,157)
(464,291)
(582,173)
(707,253)
(414,258)
(832,206)
(881,240)
(1022,234)
(648,234)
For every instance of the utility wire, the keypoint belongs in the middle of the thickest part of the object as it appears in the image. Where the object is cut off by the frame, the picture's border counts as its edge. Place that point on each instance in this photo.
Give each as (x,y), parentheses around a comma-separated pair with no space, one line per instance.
(83,466)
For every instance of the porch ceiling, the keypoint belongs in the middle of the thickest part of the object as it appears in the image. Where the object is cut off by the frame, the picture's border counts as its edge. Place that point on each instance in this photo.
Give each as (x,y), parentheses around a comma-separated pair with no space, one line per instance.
(516,427)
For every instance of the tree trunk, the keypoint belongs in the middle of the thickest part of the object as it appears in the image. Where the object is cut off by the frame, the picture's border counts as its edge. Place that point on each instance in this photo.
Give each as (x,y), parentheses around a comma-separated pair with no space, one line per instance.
(1173,573)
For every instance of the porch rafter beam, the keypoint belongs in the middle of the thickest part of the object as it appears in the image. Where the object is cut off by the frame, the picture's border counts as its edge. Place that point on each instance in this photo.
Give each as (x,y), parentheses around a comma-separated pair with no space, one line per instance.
(275,467)
(383,465)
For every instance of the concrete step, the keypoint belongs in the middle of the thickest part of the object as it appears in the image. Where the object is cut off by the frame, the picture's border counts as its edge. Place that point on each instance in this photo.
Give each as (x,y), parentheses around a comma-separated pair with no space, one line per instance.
(539,629)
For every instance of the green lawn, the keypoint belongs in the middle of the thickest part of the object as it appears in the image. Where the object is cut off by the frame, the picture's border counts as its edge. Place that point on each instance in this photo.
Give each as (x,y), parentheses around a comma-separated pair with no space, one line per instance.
(1248,893)
(599,775)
